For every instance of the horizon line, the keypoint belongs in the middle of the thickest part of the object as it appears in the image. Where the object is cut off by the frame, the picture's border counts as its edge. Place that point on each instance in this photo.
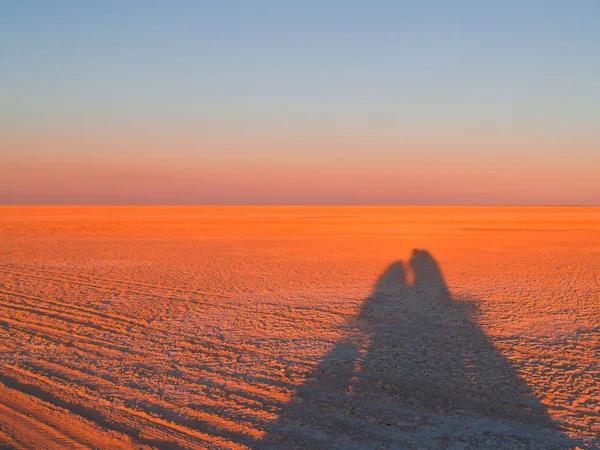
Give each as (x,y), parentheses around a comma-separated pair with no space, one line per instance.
(503,205)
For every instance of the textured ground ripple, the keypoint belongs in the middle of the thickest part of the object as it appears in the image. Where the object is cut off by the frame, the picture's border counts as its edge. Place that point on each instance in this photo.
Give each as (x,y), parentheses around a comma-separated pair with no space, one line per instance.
(299,328)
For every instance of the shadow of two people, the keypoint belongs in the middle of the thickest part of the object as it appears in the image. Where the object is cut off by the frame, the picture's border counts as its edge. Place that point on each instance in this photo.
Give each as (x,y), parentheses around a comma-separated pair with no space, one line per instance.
(418,373)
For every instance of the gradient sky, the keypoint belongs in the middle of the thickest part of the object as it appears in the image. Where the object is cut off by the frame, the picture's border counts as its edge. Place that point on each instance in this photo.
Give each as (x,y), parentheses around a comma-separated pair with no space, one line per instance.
(342,102)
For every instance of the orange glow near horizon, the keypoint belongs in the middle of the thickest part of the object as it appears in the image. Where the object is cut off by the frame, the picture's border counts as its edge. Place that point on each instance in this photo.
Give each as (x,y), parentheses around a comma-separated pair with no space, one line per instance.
(156,168)
(259,170)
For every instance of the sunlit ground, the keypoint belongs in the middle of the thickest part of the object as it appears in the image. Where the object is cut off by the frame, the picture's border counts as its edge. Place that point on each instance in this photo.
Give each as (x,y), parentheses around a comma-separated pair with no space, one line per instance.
(299,327)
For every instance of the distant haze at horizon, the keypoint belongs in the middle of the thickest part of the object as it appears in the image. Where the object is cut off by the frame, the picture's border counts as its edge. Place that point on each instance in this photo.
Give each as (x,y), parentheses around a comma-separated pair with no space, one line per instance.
(339,102)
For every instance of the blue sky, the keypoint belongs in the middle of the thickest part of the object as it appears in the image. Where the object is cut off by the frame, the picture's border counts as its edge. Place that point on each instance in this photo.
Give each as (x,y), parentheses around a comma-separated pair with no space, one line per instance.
(514,71)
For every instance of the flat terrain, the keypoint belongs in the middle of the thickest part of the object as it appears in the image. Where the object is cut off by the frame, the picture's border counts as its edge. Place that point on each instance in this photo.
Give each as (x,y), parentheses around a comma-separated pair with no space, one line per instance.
(299,327)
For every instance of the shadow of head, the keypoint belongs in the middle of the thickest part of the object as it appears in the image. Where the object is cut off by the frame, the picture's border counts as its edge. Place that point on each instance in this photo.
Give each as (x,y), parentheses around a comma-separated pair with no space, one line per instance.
(423,268)
(426,271)
(393,278)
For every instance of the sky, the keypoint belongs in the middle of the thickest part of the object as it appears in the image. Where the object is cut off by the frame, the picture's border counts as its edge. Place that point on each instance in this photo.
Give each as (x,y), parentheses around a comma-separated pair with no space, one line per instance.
(299,102)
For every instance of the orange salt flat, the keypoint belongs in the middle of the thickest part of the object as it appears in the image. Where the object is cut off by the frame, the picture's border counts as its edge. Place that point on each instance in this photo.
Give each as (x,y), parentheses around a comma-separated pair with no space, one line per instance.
(275,327)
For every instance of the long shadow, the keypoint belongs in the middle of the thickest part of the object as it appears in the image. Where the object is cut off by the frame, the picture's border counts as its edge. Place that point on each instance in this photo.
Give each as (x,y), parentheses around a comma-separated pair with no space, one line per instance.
(419,373)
